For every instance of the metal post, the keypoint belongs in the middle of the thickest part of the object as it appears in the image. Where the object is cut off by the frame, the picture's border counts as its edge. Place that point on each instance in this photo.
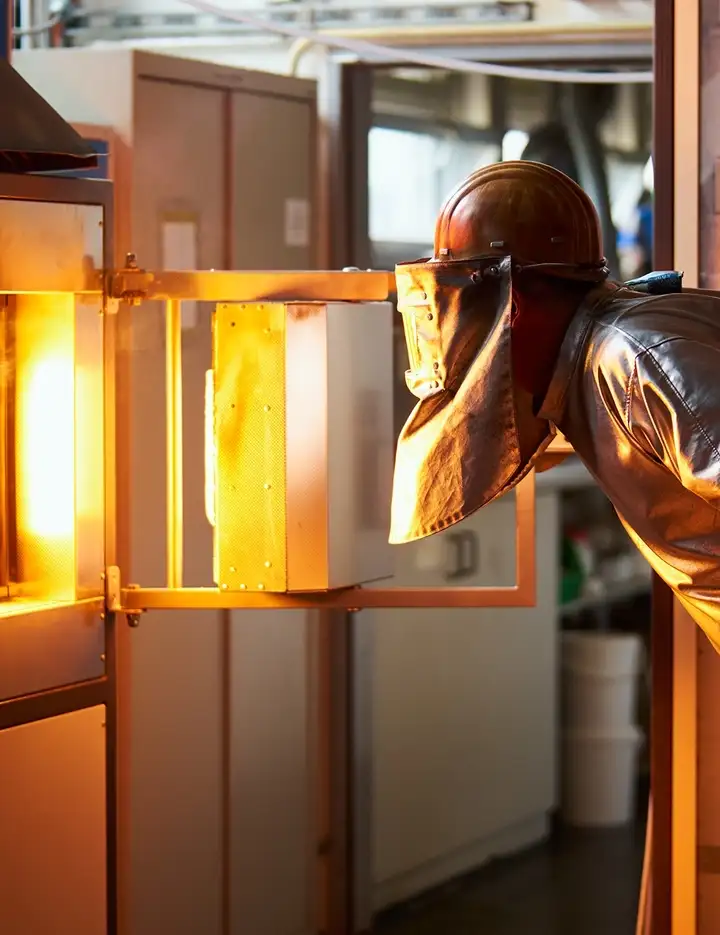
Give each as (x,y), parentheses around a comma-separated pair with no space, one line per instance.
(174,444)
(6,28)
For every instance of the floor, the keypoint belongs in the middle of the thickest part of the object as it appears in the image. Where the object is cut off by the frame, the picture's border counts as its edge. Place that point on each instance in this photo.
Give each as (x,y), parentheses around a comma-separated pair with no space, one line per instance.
(581,883)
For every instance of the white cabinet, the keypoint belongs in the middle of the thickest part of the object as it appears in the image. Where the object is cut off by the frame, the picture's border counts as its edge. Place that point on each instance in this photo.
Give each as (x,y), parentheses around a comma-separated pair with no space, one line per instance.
(464,713)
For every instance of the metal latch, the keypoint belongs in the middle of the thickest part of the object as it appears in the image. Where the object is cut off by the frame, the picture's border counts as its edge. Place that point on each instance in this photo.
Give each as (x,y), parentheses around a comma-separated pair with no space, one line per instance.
(131,283)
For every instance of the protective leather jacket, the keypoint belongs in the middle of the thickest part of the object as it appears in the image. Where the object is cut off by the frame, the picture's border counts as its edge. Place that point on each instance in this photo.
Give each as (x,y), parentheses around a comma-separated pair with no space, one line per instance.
(636,391)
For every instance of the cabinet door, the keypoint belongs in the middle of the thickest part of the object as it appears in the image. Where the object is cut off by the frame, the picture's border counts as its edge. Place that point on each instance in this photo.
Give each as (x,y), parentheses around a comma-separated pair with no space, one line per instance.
(52,826)
(273,163)
(177,670)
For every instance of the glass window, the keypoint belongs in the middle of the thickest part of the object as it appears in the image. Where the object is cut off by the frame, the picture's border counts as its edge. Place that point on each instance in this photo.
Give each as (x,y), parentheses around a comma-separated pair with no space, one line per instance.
(410,176)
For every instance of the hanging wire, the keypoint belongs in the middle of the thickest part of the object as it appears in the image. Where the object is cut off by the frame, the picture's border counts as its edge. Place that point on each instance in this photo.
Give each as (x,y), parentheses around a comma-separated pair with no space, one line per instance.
(49,24)
(393,55)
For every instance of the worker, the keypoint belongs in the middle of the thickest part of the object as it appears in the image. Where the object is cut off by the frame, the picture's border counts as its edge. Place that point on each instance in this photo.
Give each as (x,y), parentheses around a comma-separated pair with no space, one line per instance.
(514,332)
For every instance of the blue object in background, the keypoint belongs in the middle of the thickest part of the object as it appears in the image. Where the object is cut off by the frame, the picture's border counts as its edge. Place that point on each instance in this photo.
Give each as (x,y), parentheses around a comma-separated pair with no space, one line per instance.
(645,226)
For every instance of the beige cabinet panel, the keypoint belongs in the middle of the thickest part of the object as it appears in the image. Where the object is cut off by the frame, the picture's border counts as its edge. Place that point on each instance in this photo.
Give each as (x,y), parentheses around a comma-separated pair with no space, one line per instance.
(273,182)
(176,674)
(52,826)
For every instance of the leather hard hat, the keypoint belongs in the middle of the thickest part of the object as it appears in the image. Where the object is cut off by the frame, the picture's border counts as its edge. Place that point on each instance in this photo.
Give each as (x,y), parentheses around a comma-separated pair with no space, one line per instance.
(528,211)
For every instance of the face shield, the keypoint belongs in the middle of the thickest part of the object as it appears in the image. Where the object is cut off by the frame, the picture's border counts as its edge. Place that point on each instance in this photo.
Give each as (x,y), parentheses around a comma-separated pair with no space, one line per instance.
(473,434)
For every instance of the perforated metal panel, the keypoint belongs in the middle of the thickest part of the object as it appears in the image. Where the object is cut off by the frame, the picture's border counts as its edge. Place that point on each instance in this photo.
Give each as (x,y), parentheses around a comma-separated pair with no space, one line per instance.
(249,424)
(302,445)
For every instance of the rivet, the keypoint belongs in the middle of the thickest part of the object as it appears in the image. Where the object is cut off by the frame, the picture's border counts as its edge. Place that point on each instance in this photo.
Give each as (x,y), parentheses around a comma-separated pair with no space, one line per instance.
(433,386)
(423,295)
(232,570)
(243,587)
(430,317)
(261,587)
(267,486)
(436,366)
(102,657)
(224,587)
(266,408)
(268,564)
(497,244)
(266,331)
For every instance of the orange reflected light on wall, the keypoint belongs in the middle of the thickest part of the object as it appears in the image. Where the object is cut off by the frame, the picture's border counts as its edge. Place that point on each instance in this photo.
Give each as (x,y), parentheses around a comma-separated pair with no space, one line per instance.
(210,449)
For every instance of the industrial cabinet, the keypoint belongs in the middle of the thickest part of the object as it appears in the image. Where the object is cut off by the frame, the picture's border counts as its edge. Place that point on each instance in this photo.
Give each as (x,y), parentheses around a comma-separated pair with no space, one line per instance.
(52,815)
(213,168)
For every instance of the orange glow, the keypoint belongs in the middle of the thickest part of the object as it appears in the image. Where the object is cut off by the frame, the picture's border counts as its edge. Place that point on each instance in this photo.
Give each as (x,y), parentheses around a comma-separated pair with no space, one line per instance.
(46,450)
(45,439)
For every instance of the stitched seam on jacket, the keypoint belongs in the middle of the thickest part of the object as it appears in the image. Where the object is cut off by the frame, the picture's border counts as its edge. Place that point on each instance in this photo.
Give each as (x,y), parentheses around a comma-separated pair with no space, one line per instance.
(629,392)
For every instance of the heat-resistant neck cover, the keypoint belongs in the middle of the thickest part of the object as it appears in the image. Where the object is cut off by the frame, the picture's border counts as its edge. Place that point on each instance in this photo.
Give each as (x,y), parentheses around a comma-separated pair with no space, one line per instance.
(473,435)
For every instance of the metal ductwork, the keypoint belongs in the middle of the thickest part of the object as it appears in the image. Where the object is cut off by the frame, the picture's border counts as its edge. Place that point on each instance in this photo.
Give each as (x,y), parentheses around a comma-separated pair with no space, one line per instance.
(33,136)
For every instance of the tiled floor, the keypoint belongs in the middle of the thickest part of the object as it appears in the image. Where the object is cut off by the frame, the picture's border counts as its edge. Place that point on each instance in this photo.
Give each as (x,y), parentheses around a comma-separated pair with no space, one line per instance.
(581,883)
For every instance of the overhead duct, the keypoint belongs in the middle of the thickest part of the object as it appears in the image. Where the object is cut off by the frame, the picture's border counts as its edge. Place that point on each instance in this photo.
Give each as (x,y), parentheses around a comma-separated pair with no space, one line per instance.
(33,136)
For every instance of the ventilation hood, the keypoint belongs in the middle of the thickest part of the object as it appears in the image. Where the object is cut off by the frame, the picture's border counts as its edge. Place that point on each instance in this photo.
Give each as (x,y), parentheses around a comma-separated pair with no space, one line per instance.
(34,137)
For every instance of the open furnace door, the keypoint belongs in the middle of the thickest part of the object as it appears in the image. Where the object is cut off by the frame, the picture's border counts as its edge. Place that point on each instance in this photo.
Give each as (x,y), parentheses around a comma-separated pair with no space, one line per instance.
(299,447)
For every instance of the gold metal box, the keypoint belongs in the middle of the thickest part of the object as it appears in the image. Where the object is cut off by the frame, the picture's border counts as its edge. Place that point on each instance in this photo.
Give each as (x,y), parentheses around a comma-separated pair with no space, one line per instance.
(299,445)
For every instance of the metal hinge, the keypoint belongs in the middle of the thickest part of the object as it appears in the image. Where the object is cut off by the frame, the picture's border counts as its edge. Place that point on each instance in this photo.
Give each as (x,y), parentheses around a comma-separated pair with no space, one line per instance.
(129,284)
(113,596)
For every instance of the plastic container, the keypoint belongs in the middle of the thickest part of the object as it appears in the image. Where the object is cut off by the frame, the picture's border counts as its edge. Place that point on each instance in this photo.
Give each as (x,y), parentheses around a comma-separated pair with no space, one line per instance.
(609,654)
(600,680)
(599,702)
(599,777)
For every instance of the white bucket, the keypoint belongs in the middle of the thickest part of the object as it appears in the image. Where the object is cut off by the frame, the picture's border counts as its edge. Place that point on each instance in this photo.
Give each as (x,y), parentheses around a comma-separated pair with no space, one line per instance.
(599,771)
(600,676)
(599,702)
(610,654)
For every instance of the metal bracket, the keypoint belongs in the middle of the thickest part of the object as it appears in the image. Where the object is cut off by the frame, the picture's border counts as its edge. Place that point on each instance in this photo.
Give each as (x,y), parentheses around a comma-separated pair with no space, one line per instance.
(130,284)
(114,596)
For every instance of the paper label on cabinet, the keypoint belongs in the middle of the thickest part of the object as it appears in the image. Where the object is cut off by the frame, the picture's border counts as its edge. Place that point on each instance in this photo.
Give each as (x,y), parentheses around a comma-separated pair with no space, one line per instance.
(297,222)
(180,252)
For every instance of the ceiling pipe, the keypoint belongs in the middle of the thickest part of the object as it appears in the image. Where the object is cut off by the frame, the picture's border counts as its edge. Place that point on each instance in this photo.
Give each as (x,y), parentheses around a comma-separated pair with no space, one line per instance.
(374,51)
(624,29)
(495,34)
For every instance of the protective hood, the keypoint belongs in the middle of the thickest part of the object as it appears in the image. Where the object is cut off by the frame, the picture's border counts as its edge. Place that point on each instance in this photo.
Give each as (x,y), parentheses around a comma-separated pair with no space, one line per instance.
(474,435)
(33,136)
